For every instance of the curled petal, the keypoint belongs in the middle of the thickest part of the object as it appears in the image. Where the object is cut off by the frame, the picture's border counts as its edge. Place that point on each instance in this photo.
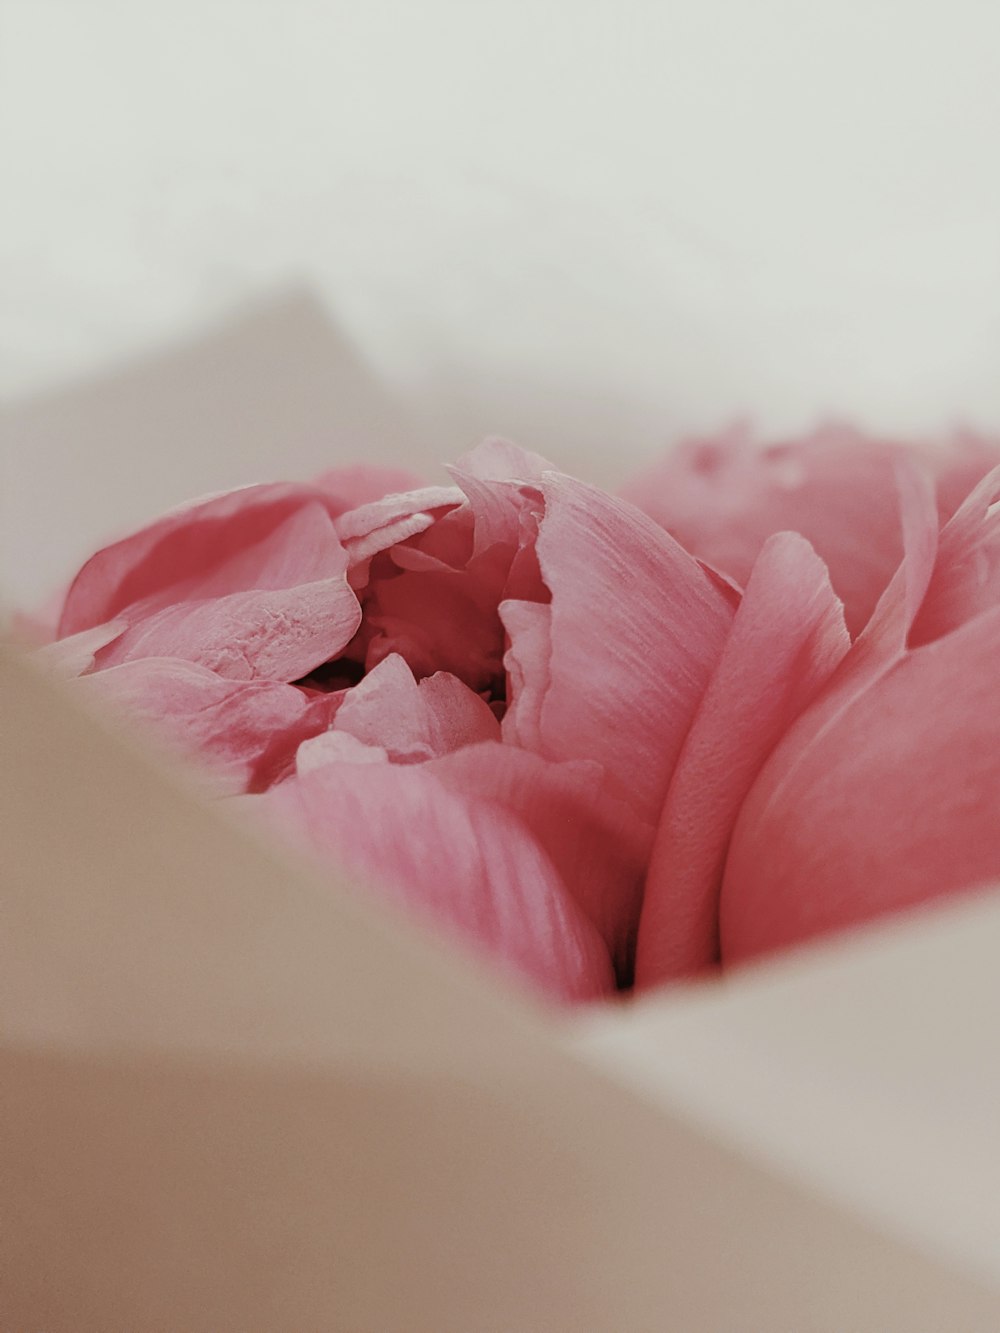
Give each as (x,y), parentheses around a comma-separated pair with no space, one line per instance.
(465,863)
(209,547)
(248,635)
(263,613)
(246,733)
(382,523)
(636,629)
(786,640)
(894,803)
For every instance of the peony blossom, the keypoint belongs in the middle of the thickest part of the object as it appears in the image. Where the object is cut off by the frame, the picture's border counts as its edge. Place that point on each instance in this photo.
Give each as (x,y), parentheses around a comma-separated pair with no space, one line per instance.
(606,743)
(472,695)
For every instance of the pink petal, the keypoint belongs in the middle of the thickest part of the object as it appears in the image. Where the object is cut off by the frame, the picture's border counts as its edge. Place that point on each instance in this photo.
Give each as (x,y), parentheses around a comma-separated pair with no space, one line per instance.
(338,747)
(75,656)
(465,863)
(529,628)
(246,734)
(348,487)
(596,843)
(722,498)
(279,636)
(375,526)
(197,549)
(497,459)
(636,630)
(456,717)
(413,722)
(966,578)
(883,642)
(893,804)
(272,608)
(786,640)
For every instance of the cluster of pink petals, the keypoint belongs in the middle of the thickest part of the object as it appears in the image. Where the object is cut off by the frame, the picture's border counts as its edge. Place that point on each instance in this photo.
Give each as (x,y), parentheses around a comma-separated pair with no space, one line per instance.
(608,746)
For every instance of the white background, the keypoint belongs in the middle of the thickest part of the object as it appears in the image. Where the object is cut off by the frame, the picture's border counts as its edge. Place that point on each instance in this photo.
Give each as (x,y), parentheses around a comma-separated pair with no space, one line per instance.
(238,238)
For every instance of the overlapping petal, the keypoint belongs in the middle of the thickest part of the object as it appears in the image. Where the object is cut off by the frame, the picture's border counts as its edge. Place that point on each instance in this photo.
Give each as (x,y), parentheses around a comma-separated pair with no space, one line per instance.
(896,802)
(723,498)
(250,584)
(415,721)
(595,842)
(246,733)
(357,484)
(635,630)
(76,655)
(787,638)
(467,864)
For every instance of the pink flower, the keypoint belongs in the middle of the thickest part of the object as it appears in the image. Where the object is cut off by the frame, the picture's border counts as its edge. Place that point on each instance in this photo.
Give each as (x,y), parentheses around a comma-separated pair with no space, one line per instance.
(520,707)
(474,695)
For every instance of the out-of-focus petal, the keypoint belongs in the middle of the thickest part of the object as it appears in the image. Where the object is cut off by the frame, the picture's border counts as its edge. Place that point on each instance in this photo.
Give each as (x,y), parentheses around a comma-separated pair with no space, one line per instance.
(465,863)
(636,629)
(723,498)
(787,638)
(895,802)
(596,843)
(414,721)
(75,655)
(245,733)
(361,483)
(966,577)
(336,747)
(498,459)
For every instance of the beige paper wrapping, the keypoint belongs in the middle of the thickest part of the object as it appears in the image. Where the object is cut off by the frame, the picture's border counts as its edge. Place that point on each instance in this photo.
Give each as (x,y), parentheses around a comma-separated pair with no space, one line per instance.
(237,1095)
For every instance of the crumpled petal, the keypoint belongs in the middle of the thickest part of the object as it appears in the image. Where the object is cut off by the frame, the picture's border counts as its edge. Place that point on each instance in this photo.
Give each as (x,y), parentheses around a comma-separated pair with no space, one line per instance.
(896,802)
(787,638)
(636,629)
(249,589)
(379,524)
(466,863)
(412,721)
(246,733)
(723,498)
(191,551)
